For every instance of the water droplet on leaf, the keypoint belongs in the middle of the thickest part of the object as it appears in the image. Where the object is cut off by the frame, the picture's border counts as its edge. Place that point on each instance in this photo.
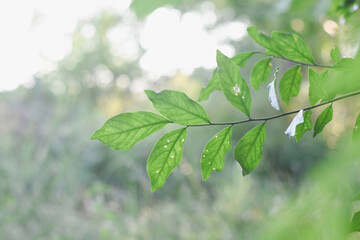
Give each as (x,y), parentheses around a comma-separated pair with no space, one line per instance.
(236,89)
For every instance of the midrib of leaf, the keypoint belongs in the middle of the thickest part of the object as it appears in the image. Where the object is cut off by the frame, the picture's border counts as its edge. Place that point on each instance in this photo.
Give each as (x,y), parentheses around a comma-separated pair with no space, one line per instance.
(274,49)
(253,143)
(296,50)
(133,129)
(241,99)
(218,150)
(292,83)
(263,73)
(170,103)
(166,162)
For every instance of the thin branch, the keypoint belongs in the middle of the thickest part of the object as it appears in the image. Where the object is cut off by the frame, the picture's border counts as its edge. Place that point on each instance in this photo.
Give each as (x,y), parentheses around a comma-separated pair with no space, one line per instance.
(279,115)
(301,63)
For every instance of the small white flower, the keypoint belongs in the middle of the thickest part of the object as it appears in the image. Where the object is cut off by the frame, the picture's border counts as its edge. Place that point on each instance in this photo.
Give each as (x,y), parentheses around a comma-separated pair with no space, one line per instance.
(272,96)
(299,118)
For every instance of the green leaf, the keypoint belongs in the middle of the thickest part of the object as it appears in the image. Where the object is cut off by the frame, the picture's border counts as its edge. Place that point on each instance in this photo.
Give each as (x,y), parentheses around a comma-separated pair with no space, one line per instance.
(272,48)
(355,222)
(356,131)
(293,47)
(242,58)
(290,83)
(317,90)
(213,156)
(248,151)
(324,118)
(260,72)
(233,85)
(165,156)
(178,107)
(214,84)
(357,197)
(124,130)
(335,54)
(305,126)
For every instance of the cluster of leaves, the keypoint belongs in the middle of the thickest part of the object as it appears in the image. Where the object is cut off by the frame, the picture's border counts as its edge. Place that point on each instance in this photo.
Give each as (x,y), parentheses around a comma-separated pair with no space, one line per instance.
(124,130)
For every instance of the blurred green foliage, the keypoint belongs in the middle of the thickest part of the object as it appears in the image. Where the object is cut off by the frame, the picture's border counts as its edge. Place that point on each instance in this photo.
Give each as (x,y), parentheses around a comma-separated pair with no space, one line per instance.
(57,184)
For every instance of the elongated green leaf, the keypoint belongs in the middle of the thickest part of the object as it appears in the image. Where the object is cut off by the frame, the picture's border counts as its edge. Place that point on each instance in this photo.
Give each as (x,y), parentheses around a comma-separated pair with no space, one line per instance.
(272,48)
(335,54)
(213,156)
(293,47)
(124,130)
(290,83)
(248,151)
(355,222)
(178,107)
(260,72)
(356,131)
(324,118)
(305,126)
(242,58)
(233,85)
(357,197)
(214,84)
(344,77)
(165,156)
(317,90)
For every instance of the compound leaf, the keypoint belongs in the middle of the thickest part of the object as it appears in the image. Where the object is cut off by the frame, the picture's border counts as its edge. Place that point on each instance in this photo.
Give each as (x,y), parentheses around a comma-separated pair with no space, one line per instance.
(248,151)
(304,126)
(213,156)
(165,156)
(260,72)
(293,47)
(124,130)
(178,107)
(290,83)
(324,118)
(233,85)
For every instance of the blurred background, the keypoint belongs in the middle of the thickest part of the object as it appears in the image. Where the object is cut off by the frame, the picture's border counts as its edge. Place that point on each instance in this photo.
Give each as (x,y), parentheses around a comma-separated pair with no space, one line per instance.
(67,66)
